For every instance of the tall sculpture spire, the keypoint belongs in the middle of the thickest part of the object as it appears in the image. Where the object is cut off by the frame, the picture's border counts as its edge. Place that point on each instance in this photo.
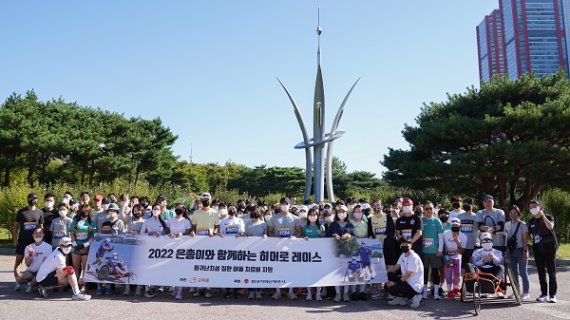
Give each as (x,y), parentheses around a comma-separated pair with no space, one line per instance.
(317,169)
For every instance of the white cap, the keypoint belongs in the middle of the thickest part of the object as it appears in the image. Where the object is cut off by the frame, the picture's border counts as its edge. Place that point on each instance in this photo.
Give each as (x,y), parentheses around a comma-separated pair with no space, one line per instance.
(65,241)
(486,236)
(455,221)
(206,195)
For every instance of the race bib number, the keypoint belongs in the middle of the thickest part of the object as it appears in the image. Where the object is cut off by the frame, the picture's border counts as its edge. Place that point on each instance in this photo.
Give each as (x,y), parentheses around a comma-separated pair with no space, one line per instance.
(232,229)
(407,234)
(380,230)
(203,232)
(59,234)
(537,238)
(81,236)
(428,243)
(284,232)
(467,228)
(30,226)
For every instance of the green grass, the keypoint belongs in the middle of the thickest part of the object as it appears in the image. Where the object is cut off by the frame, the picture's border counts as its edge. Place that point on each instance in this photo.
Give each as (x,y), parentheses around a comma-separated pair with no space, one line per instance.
(5,238)
(563,251)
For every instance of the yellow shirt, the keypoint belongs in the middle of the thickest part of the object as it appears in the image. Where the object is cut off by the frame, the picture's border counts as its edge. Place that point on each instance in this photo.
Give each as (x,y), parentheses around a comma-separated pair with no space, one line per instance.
(360,229)
(379,226)
(205,221)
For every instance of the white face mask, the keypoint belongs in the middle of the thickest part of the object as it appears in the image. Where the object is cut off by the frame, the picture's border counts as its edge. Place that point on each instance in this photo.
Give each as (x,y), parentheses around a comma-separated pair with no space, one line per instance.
(534,211)
(302,215)
(312,218)
(66,250)
(105,207)
(156,213)
(342,215)
(48,204)
(487,245)
(63,213)
(329,219)
(38,239)
(284,208)
(407,209)
(268,217)
(223,213)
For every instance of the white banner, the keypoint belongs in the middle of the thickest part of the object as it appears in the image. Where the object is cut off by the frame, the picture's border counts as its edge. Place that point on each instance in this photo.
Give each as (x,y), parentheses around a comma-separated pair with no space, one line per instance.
(244,262)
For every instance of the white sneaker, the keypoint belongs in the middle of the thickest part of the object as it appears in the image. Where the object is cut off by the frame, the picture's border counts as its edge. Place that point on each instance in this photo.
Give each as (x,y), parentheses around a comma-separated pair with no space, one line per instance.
(415,303)
(552,299)
(436,295)
(309,297)
(276,295)
(346,298)
(542,299)
(258,295)
(251,295)
(81,297)
(318,296)
(42,291)
(292,296)
(178,296)
(525,297)
(29,288)
(336,297)
(398,301)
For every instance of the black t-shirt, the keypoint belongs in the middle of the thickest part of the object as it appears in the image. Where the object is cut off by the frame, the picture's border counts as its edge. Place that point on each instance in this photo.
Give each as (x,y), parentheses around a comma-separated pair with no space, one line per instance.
(48,218)
(539,232)
(408,226)
(29,220)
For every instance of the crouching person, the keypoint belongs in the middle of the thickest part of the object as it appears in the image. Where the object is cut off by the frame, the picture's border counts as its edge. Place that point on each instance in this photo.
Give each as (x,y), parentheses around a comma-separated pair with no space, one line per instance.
(54,272)
(408,287)
(34,256)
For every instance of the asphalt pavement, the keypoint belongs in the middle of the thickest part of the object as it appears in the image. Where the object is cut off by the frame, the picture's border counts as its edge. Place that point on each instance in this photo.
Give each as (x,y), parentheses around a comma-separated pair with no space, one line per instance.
(19,305)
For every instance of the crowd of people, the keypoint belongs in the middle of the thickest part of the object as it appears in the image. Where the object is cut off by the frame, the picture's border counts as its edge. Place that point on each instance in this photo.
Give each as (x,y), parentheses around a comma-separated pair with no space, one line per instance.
(422,243)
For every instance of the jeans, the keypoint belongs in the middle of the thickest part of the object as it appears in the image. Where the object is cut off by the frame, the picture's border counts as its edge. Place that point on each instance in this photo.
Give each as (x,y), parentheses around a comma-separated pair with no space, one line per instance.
(519,267)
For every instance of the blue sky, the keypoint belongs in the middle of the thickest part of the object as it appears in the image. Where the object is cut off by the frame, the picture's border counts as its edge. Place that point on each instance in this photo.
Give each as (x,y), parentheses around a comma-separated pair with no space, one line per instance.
(208,68)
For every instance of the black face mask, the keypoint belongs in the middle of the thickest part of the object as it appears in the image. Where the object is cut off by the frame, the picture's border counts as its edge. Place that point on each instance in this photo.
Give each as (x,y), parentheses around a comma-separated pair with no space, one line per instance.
(467,207)
(32,202)
(144,204)
(137,215)
(455,229)
(418,212)
(205,203)
(83,214)
(456,205)
(231,213)
(444,218)
(179,211)
(405,249)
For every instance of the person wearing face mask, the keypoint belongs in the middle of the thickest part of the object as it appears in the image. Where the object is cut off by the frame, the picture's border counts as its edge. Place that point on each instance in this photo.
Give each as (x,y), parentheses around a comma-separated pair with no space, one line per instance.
(406,288)
(112,198)
(147,211)
(222,211)
(232,226)
(50,213)
(34,254)
(454,241)
(517,231)
(82,231)
(456,207)
(134,227)
(84,198)
(409,226)
(469,229)
(178,226)
(487,259)
(544,246)
(381,227)
(357,220)
(205,223)
(443,216)
(302,213)
(154,225)
(117,224)
(60,226)
(27,220)
(255,227)
(492,220)
(67,197)
(432,251)
(284,225)
(54,273)
(341,229)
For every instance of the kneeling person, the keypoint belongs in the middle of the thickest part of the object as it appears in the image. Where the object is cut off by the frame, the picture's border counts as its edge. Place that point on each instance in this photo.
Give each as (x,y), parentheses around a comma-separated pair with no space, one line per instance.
(34,256)
(54,272)
(409,286)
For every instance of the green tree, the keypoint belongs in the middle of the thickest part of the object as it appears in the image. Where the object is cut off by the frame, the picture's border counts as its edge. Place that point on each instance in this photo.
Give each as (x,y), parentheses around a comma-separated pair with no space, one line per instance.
(509,138)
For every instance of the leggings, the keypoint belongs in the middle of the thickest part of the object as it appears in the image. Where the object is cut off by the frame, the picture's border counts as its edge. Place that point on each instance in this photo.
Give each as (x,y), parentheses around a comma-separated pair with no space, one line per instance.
(452,272)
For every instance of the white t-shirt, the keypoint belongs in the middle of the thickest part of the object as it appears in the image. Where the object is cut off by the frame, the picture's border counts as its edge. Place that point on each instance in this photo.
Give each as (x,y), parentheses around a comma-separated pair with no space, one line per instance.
(413,263)
(450,247)
(178,225)
(54,261)
(454,214)
(230,226)
(151,224)
(41,254)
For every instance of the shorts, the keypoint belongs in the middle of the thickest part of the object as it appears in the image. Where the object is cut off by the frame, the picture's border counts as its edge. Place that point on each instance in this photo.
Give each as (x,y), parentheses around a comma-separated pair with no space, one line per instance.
(466,257)
(432,260)
(49,281)
(22,244)
(80,252)
(366,264)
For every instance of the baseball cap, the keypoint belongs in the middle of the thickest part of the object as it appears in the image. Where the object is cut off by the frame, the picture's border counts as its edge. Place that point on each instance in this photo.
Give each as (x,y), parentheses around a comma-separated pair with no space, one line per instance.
(343,207)
(455,221)
(303,208)
(206,195)
(488,197)
(365,206)
(486,236)
(113,207)
(407,202)
(65,241)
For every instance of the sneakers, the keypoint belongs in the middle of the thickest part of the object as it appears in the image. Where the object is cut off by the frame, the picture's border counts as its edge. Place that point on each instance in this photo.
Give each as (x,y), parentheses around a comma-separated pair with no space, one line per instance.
(99,291)
(309,296)
(42,291)
(17,287)
(178,293)
(208,294)
(81,297)
(251,295)
(276,295)
(318,296)
(29,288)
(457,292)
(337,297)
(390,297)
(397,301)
(292,296)
(416,301)
(552,299)
(542,298)
(149,294)
(450,295)
(425,293)
(138,291)
(127,291)
(525,297)
(346,298)
(197,294)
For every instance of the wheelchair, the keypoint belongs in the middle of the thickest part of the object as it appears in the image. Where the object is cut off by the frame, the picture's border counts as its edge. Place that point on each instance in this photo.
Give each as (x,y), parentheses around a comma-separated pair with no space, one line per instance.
(477,284)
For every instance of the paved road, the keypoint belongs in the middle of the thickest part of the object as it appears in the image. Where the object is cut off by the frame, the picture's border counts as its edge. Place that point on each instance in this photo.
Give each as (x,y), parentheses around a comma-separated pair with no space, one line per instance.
(58,306)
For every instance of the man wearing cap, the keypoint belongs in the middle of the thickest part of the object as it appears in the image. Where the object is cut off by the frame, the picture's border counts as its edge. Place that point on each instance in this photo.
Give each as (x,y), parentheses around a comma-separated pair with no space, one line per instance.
(468,228)
(27,220)
(492,220)
(54,272)
(205,222)
(406,288)
(454,243)
(487,259)
(409,226)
